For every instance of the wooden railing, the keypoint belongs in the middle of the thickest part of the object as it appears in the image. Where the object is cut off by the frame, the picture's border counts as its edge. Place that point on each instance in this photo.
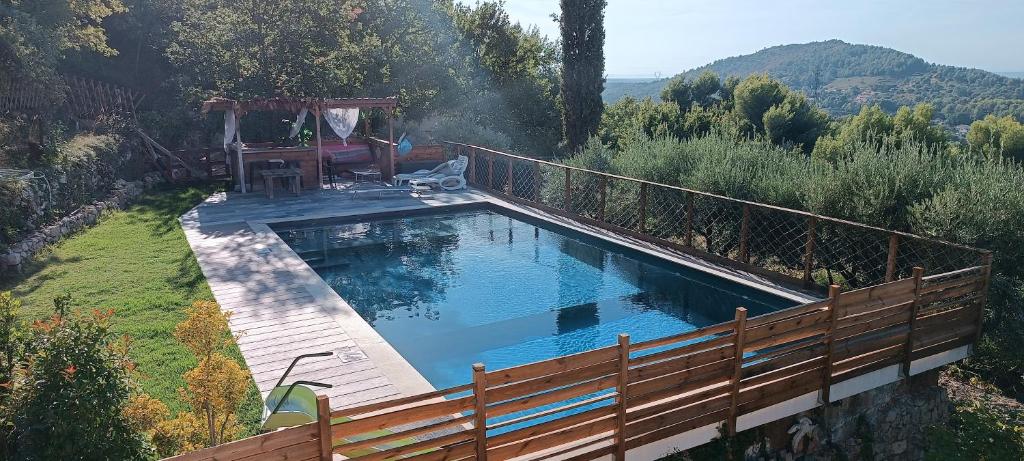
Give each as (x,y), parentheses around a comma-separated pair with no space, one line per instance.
(605,402)
(613,399)
(789,246)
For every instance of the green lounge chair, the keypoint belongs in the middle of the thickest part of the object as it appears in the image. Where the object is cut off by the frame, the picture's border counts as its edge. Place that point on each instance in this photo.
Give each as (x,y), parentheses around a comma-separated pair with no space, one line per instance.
(294,404)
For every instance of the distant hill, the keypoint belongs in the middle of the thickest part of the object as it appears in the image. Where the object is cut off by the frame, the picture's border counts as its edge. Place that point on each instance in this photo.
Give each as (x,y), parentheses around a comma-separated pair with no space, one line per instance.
(639,88)
(841,77)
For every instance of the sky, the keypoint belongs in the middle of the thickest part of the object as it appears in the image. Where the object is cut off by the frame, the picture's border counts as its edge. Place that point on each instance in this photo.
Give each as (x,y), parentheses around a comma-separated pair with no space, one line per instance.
(646,38)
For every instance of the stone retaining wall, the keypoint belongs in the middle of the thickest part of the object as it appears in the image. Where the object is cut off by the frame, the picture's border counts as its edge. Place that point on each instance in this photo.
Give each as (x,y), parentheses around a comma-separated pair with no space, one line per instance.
(886,423)
(13,259)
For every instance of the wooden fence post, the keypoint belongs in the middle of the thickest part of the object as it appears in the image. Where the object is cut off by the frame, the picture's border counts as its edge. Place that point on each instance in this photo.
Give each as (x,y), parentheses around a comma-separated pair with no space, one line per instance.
(323,420)
(509,179)
(833,318)
(602,197)
(745,235)
(567,205)
(620,398)
(480,410)
(688,236)
(890,262)
(812,230)
(740,325)
(472,165)
(915,306)
(536,181)
(490,171)
(986,262)
(643,208)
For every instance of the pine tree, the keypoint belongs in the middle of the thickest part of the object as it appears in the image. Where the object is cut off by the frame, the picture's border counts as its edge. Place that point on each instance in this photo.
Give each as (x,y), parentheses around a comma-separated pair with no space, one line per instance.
(582,28)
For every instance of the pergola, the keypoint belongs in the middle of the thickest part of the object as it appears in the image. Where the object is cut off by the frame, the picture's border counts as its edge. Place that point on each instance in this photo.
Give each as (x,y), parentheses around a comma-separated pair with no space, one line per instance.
(387,105)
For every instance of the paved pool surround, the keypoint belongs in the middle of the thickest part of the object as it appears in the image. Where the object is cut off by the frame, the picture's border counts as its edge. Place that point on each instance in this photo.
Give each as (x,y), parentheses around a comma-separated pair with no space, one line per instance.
(282,308)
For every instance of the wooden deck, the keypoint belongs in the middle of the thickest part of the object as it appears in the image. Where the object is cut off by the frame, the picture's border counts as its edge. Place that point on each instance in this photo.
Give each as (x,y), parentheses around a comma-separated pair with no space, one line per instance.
(282,309)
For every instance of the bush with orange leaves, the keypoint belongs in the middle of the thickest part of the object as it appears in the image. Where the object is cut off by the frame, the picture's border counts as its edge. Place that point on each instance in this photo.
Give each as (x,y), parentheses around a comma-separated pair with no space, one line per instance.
(214,389)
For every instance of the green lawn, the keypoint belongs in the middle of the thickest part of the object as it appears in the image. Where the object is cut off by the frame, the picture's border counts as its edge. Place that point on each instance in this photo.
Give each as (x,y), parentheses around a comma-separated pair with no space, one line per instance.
(138,263)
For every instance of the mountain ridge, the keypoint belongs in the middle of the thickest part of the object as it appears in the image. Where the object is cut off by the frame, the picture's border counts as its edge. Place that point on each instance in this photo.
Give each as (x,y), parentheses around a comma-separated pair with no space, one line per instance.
(841,77)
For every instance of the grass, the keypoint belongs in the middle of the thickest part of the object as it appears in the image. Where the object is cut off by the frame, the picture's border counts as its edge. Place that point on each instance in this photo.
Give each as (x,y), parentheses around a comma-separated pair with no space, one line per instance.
(138,263)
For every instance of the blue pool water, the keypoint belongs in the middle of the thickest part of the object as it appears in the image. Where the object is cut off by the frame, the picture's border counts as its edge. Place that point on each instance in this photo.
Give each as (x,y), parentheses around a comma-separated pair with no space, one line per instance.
(449,290)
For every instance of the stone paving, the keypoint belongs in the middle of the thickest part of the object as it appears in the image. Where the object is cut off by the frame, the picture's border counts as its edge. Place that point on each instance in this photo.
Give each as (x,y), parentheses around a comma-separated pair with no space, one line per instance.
(281,308)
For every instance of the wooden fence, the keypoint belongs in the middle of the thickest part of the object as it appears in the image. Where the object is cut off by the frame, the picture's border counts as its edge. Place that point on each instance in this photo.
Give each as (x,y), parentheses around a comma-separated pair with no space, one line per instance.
(84,98)
(606,401)
(609,400)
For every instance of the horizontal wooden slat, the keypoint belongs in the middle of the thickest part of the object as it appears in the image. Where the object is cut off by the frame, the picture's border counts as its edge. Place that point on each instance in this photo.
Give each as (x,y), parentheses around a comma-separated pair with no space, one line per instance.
(551,411)
(464,450)
(255,445)
(783,393)
(857,361)
(951,283)
(680,363)
(399,402)
(783,370)
(876,292)
(957,273)
(682,350)
(385,438)
(538,430)
(711,370)
(784,337)
(677,415)
(690,335)
(787,313)
(637,412)
(925,339)
(553,439)
(437,442)
(404,416)
(666,432)
(947,318)
(565,393)
(818,317)
(544,383)
(963,290)
(806,352)
(299,452)
(547,367)
(857,345)
(893,316)
(687,389)
(770,392)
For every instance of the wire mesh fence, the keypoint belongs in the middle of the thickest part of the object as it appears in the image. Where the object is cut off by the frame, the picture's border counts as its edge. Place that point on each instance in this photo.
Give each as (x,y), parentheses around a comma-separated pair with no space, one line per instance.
(800,247)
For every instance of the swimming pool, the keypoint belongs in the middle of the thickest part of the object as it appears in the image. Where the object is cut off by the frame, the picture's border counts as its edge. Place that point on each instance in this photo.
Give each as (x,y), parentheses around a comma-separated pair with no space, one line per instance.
(453,288)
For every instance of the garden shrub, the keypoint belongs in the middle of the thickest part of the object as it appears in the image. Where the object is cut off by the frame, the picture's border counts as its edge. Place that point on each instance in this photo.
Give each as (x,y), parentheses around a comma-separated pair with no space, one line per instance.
(69,394)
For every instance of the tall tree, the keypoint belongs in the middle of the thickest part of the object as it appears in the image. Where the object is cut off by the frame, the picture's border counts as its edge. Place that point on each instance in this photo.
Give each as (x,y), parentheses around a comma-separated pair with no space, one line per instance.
(582,27)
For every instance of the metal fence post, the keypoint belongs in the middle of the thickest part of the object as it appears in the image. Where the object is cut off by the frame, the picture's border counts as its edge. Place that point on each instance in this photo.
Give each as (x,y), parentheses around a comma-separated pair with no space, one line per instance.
(536,181)
(480,410)
(620,398)
(833,318)
(737,372)
(323,419)
(915,306)
(472,165)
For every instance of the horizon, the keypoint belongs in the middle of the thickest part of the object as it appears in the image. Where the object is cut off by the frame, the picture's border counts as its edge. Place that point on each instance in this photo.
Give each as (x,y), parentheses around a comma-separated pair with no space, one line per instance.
(751,28)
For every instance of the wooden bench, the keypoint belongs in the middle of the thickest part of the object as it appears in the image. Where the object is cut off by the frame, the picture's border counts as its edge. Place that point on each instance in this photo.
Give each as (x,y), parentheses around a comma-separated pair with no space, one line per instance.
(291,174)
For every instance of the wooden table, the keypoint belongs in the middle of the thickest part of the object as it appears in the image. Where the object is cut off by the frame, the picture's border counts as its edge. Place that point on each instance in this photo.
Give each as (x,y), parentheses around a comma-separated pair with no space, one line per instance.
(304,157)
(292,174)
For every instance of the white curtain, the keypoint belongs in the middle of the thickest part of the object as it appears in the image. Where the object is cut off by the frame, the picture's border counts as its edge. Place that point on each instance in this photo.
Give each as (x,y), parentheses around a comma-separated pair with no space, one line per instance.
(298,123)
(230,128)
(342,121)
